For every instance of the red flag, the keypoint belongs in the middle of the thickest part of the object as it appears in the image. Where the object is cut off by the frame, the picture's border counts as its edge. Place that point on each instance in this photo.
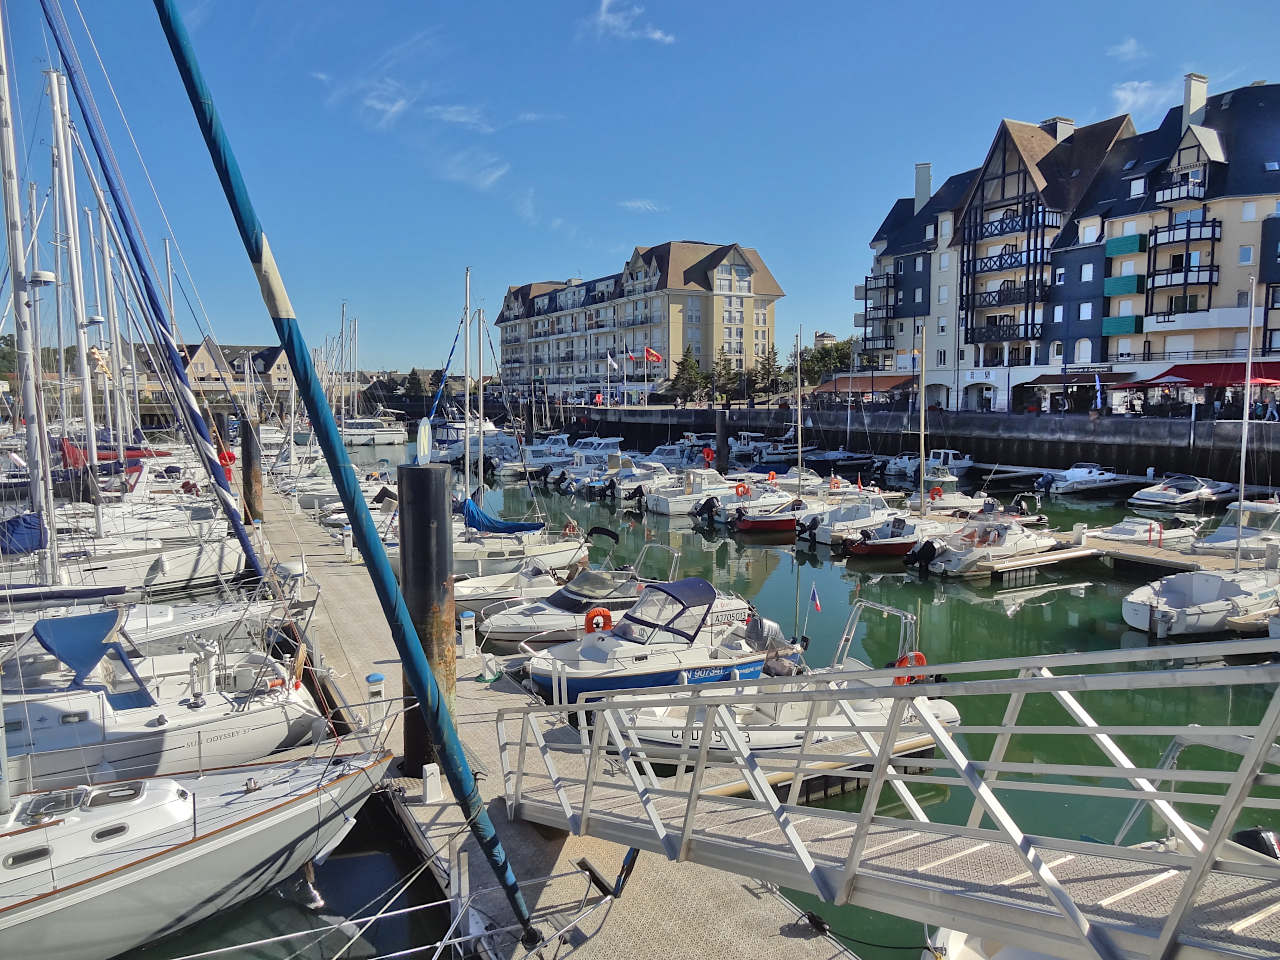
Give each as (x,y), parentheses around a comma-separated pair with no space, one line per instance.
(859,481)
(652,356)
(631,357)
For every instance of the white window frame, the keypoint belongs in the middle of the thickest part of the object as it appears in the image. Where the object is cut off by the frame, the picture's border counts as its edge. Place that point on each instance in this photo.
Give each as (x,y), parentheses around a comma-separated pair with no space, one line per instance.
(944,293)
(1058,311)
(1086,311)
(1059,276)
(1248,211)
(1086,273)
(1246,259)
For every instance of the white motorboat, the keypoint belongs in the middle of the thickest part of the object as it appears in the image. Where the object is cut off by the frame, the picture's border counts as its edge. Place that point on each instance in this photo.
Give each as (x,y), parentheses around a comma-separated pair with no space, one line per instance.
(678,455)
(854,513)
(531,581)
(84,702)
(373,431)
(981,540)
(1253,524)
(903,464)
(99,871)
(950,460)
(897,537)
(1178,491)
(479,554)
(621,479)
(1083,478)
(1200,601)
(680,632)
(942,494)
(755,498)
(553,452)
(591,601)
(1173,533)
(685,494)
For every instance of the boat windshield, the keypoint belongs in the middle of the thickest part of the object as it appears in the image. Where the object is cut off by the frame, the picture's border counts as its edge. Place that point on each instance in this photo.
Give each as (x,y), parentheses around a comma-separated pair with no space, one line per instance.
(1264,520)
(672,611)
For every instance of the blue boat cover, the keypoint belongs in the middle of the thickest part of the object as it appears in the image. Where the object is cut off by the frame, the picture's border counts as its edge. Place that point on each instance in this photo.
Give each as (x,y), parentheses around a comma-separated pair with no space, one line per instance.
(81,642)
(477,519)
(22,534)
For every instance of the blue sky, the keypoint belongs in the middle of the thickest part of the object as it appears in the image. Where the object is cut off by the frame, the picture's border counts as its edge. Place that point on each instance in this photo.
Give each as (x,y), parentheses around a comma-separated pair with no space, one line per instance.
(390,145)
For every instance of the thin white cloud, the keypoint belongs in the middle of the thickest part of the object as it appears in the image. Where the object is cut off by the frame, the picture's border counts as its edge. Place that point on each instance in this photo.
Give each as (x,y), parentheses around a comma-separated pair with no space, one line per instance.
(1127,50)
(533,116)
(477,169)
(320,75)
(612,20)
(197,14)
(1143,98)
(460,115)
(525,208)
(640,205)
(385,101)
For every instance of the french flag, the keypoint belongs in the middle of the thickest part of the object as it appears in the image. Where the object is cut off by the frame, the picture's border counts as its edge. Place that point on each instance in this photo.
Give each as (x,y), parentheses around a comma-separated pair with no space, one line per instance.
(813,598)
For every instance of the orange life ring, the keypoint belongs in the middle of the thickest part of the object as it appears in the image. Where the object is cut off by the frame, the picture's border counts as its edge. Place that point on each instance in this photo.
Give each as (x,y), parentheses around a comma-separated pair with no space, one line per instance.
(913,659)
(742,490)
(570,529)
(601,614)
(935,493)
(772,476)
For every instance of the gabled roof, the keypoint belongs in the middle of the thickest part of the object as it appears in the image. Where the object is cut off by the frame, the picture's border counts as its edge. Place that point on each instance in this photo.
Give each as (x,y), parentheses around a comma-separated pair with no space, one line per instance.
(907,233)
(1208,140)
(1070,166)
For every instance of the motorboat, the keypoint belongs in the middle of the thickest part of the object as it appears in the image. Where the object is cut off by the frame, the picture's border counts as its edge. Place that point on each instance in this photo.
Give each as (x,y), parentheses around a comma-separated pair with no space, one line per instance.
(1177,491)
(897,537)
(552,452)
(622,477)
(1173,533)
(782,450)
(942,493)
(1200,601)
(903,464)
(373,431)
(685,494)
(1084,478)
(97,871)
(778,517)
(756,498)
(951,460)
(1250,524)
(530,581)
(680,632)
(980,540)
(85,703)
(854,513)
(593,600)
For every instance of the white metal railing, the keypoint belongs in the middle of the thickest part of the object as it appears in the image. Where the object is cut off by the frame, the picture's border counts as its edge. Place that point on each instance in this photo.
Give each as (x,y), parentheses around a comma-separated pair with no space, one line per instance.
(652,767)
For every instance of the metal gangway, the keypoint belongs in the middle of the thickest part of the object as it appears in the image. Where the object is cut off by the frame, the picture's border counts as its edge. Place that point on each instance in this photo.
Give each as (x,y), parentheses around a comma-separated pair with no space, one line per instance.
(711,773)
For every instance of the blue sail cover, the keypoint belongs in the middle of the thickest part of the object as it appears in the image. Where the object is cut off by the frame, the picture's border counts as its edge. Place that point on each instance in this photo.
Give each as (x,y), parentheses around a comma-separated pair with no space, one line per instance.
(477,519)
(81,642)
(22,534)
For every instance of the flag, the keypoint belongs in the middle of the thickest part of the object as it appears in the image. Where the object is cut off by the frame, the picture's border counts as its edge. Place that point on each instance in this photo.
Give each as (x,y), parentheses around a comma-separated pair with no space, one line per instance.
(1097,386)
(652,356)
(612,363)
(631,356)
(813,598)
(859,481)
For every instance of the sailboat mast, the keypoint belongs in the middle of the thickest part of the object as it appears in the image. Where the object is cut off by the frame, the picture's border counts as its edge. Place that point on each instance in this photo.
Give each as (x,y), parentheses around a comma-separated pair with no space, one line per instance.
(466,388)
(924,333)
(1244,421)
(799,411)
(49,560)
(480,398)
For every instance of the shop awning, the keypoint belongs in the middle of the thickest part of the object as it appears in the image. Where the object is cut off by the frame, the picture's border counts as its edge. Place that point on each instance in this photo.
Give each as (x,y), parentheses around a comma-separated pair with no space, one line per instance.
(865,383)
(1265,373)
(1081,378)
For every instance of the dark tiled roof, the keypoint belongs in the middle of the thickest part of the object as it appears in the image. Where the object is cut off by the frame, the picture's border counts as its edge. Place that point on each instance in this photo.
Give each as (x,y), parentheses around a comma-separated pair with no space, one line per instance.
(900,213)
(908,236)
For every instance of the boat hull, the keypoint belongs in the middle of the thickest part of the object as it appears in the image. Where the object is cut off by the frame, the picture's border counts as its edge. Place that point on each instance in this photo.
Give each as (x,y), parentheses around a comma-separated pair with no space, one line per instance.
(705,671)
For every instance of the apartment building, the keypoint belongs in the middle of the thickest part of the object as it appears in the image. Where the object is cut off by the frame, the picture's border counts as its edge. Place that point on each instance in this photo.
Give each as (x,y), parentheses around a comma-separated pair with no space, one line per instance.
(1096,256)
(558,337)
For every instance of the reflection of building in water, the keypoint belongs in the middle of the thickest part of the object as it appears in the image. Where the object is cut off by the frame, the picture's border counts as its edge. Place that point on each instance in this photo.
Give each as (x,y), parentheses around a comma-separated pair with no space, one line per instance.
(743,568)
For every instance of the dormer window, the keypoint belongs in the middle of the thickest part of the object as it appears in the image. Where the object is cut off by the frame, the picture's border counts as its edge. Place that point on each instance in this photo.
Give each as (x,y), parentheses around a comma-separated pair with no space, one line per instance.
(1138,187)
(1129,164)
(1271,166)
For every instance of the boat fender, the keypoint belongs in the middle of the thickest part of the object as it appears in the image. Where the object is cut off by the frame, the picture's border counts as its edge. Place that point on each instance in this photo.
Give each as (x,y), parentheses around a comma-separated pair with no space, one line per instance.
(602,615)
(913,659)
(935,493)
(742,490)
(772,476)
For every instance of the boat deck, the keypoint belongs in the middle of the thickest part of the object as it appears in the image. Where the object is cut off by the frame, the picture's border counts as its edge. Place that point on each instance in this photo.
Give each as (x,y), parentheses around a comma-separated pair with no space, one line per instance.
(668,909)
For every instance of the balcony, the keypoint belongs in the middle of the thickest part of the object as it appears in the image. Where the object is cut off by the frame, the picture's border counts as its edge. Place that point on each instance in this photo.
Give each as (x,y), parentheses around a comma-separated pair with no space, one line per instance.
(1123,285)
(1188,276)
(1126,245)
(1007,261)
(881,311)
(1009,293)
(1181,356)
(635,321)
(1012,222)
(881,281)
(878,343)
(1190,232)
(541,334)
(1215,318)
(1182,190)
(997,333)
(1117,326)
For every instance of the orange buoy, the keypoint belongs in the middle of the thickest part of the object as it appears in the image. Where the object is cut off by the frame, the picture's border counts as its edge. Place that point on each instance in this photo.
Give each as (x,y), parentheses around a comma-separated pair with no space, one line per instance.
(601,614)
(935,493)
(772,476)
(913,659)
(742,490)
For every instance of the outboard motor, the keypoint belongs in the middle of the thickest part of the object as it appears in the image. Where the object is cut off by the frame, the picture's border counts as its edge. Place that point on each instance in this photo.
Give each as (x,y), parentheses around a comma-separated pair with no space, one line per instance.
(562,479)
(921,555)
(611,489)
(707,509)
(543,472)
(1264,841)
(810,529)
(1045,482)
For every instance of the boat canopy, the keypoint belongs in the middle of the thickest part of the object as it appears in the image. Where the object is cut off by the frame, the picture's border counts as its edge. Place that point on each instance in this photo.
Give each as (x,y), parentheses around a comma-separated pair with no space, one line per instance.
(679,608)
(22,534)
(477,519)
(80,643)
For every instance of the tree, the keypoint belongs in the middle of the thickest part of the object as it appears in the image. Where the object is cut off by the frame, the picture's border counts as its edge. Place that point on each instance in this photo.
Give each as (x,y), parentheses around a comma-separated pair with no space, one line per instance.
(767,371)
(816,363)
(413,384)
(724,378)
(689,379)
(748,383)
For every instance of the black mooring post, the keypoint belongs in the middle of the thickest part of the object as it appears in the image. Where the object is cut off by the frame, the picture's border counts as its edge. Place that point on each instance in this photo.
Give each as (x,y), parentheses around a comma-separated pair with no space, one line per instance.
(251,465)
(426,580)
(528,422)
(722,440)
(221,431)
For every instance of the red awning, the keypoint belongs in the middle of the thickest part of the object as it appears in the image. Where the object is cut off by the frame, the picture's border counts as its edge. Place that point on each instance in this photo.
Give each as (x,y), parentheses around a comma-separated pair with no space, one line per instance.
(1266,373)
(865,383)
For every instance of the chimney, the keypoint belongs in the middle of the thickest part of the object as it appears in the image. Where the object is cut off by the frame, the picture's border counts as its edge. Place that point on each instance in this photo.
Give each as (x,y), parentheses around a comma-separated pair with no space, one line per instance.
(1194,90)
(1058,127)
(924,184)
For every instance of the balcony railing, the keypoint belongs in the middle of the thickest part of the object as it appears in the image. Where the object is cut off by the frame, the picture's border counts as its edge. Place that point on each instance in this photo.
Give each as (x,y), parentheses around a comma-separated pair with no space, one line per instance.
(1189,232)
(878,343)
(881,281)
(1007,261)
(1009,294)
(1190,276)
(1017,223)
(1183,190)
(1177,356)
(880,311)
(1003,331)
(636,321)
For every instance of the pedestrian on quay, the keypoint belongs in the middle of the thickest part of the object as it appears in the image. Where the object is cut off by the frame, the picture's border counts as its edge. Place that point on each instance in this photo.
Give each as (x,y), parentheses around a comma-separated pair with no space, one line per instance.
(1272,412)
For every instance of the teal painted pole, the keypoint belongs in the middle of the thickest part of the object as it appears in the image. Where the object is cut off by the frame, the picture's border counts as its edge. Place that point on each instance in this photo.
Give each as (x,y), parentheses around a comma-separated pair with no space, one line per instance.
(436,714)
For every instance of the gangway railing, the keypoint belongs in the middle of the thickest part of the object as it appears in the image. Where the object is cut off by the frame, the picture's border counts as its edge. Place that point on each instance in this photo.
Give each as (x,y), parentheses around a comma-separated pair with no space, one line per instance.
(710,773)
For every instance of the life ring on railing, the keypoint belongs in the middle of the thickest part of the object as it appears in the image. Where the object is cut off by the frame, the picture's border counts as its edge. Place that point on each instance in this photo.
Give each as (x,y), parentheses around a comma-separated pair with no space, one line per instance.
(833,483)
(913,659)
(742,490)
(935,493)
(594,614)
(570,529)
(772,476)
